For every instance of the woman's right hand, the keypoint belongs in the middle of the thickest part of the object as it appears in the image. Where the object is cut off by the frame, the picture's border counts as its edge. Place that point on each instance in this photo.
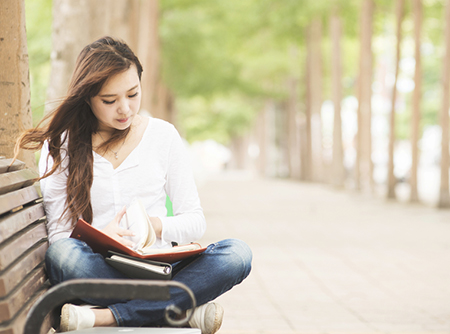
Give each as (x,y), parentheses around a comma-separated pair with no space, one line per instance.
(116,232)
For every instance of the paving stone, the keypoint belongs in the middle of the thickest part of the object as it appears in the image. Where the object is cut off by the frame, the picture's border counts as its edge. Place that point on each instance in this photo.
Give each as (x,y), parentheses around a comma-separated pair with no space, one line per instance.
(327,261)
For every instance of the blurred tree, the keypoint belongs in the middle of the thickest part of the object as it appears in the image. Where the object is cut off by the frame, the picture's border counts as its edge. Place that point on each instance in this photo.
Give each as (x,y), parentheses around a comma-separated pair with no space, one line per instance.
(363,164)
(314,101)
(444,196)
(15,110)
(400,4)
(39,29)
(293,149)
(338,163)
(417,99)
(70,33)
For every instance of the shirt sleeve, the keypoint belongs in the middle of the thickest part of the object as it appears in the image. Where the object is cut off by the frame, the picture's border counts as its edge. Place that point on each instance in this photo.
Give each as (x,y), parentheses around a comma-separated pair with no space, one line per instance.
(188,222)
(54,193)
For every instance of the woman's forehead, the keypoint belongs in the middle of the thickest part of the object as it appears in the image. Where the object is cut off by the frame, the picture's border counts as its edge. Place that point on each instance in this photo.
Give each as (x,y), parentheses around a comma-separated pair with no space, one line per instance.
(121,82)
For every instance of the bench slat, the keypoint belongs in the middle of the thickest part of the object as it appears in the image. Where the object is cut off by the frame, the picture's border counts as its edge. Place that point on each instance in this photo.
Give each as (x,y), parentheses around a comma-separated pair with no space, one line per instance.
(4,164)
(14,222)
(17,198)
(11,278)
(12,250)
(12,304)
(16,180)
(17,324)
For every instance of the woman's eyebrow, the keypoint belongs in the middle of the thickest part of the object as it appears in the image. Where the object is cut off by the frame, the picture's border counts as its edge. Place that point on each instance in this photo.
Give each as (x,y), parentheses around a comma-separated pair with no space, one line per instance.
(110,95)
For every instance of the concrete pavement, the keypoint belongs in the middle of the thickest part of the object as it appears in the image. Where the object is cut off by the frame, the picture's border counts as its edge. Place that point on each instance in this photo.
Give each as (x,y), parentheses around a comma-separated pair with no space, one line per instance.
(328,261)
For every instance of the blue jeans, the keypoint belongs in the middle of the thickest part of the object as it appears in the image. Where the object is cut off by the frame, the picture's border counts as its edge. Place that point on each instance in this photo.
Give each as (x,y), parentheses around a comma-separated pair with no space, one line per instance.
(217,270)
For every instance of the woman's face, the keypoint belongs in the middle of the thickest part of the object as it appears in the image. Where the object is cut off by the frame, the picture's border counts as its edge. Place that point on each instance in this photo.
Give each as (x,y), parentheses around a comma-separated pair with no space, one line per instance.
(118,101)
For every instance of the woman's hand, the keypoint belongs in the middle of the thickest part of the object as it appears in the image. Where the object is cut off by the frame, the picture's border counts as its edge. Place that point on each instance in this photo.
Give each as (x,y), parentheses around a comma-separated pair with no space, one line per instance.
(117,233)
(157,226)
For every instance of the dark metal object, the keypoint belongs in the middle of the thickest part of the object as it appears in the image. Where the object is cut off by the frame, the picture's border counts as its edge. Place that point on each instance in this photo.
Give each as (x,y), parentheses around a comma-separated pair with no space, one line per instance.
(104,288)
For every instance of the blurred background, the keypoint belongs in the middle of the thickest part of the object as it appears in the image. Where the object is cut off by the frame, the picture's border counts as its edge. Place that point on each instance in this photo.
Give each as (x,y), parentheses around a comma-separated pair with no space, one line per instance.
(349,93)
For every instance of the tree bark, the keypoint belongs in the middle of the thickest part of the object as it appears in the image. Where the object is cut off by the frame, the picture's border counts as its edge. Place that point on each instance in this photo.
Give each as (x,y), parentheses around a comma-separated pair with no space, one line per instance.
(336,73)
(364,166)
(15,111)
(417,99)
(400,4)
(444,198)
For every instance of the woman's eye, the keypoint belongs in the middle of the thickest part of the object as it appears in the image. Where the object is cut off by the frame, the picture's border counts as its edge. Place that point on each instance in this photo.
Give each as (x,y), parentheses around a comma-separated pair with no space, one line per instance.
(134,95)
(108,102)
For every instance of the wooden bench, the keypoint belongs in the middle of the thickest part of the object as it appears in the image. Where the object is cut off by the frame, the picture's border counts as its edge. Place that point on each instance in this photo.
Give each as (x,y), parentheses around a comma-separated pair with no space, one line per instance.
(23,242)
(26,298)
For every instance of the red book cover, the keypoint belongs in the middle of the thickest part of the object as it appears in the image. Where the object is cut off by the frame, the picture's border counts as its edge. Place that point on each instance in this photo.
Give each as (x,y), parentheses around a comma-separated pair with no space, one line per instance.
(102,243)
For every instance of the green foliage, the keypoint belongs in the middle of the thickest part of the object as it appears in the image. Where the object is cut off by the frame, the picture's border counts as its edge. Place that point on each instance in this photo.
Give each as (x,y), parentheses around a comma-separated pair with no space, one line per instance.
(224,59)
(39,26)
(220,118)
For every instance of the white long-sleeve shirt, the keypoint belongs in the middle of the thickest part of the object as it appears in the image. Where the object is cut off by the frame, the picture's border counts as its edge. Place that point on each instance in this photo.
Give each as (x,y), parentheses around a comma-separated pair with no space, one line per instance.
(159,165)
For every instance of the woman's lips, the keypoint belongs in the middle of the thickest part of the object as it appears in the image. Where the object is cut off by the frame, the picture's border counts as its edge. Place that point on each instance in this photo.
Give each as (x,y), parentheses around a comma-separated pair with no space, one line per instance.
(123,120)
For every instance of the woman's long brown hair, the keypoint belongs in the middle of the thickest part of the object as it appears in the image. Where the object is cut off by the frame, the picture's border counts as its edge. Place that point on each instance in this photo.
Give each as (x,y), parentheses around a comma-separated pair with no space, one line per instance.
(73,122)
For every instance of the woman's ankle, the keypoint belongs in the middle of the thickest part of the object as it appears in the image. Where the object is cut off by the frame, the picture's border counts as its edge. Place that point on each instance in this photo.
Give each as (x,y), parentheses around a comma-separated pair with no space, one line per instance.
(104,318)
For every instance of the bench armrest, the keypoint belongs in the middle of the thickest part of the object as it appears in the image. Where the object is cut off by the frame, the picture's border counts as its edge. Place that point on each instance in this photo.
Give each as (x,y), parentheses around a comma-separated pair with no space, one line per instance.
(105,288)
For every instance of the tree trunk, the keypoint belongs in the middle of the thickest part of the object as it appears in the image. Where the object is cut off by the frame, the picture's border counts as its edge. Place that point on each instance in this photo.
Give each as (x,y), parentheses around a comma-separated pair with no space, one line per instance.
(336,73)
(417,99)
(15,111)
(149,54)
(364,166)
(70,33)
(307,162)
(292,130)
(400,4)
(315,99)
(444,198)
(262,134)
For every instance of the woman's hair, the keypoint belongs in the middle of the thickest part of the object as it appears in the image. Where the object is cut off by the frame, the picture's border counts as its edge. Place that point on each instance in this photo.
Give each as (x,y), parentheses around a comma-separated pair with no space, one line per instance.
(74,122)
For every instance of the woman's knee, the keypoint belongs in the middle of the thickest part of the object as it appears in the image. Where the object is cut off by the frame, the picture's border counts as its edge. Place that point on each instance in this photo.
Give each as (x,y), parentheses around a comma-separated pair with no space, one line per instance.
(63,257)
(238,257)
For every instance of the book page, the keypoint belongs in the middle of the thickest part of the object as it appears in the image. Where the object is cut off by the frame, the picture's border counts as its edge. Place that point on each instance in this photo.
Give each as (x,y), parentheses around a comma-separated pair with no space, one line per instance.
(176,249)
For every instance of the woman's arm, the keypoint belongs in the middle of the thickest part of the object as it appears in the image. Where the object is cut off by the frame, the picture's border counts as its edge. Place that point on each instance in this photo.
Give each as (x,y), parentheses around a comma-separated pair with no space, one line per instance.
(54,193)
(188,223)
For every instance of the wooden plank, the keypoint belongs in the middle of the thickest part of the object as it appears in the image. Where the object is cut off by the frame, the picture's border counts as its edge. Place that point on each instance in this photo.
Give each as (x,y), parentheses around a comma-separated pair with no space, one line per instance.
(17,324)
(4,164)
(16,180)
(15,247)
(10,306)
(20,197)
(12,277)
(14,222)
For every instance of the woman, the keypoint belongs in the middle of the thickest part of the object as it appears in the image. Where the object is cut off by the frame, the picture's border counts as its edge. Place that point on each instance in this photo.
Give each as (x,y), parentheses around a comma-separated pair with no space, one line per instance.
(98,154)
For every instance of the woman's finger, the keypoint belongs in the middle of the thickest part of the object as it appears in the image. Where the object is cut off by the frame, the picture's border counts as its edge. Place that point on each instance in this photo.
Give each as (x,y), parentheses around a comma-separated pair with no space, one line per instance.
(120,214)
(125,242)
(122,232)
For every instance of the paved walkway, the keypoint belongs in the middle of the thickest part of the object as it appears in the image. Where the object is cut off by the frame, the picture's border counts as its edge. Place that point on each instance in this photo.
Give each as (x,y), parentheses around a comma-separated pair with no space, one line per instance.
(328,261)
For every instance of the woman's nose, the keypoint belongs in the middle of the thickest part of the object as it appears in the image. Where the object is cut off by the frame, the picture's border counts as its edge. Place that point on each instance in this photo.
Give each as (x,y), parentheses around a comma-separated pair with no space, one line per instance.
(123,106)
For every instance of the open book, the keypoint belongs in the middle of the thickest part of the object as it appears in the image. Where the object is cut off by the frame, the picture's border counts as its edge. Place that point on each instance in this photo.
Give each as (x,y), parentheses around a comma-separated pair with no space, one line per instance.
(137,220)
(102,243)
